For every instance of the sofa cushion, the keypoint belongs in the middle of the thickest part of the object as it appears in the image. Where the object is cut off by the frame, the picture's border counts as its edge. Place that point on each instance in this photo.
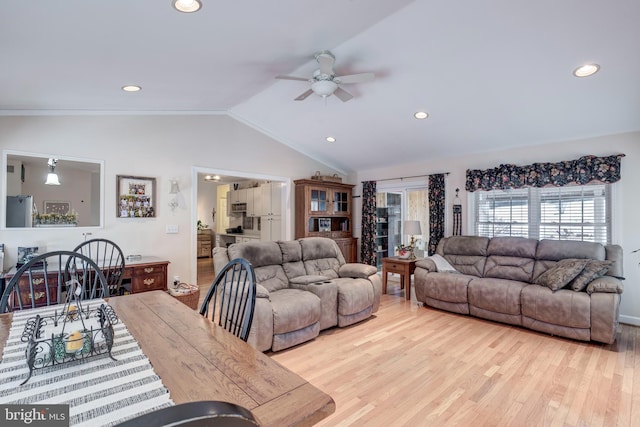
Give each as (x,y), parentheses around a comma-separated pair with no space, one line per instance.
(291,251)
(328,267)
(562,273)
(513,247)
(563,307)
(467,254)
(496,295)
(592,270)
(509,267)
(272,277)
(294,309)
(257,253)
(294,269)
(354,295)
(549,251)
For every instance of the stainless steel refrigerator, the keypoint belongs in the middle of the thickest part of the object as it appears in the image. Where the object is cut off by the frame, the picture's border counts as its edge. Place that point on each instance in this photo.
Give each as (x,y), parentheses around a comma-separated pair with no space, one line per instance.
(19,211)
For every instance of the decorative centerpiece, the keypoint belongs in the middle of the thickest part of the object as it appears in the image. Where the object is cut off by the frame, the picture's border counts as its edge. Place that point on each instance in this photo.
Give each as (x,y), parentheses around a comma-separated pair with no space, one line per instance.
(404,251)
(74,333)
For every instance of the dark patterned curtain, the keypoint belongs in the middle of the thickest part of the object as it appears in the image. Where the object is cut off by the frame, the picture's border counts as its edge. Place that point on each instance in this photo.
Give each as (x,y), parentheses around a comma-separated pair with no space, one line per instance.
(582,171)
(368,244)
(436,211)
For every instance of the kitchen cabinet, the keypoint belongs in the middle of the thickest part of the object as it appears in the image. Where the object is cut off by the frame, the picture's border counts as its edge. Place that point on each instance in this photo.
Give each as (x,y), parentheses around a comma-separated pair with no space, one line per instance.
(324,209)
(204,243)
(271,198)
(254,202)
(270,228)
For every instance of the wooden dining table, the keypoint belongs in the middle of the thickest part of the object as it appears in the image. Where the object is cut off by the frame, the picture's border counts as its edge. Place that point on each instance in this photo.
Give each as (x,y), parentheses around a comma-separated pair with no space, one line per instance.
(198,360)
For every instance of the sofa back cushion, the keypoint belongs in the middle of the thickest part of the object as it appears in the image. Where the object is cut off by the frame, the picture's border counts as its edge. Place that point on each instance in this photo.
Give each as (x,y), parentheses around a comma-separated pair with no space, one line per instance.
(467,254)
(292,259)
(549,252)
(266,259)
(511,258)
(321,256)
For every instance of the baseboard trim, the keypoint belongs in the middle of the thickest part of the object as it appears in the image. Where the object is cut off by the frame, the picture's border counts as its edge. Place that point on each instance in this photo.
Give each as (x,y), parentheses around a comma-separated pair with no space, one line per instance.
(630,320)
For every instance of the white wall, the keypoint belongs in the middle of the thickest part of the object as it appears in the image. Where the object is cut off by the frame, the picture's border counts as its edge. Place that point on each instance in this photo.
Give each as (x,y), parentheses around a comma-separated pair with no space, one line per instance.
(626,203)
(162,146)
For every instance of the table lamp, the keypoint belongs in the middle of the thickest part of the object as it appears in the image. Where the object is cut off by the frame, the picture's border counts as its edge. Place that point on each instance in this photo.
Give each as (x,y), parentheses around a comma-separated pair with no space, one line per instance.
(412,228)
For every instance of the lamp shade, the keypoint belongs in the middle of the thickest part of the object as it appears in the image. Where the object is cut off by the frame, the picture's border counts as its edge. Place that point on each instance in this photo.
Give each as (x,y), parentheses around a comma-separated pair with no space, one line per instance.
(175,189)
(52,179)
(412,228)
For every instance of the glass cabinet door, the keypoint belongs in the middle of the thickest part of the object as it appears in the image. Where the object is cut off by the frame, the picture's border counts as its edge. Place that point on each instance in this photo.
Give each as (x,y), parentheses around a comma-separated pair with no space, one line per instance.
(318,200)
(341,202)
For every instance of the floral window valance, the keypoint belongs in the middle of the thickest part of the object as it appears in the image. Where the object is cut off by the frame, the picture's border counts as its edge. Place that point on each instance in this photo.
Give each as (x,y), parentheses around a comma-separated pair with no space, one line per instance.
(582,171)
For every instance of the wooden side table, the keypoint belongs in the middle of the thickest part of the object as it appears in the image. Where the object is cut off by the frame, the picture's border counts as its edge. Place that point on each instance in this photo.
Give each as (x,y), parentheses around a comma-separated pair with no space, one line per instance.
(404,267)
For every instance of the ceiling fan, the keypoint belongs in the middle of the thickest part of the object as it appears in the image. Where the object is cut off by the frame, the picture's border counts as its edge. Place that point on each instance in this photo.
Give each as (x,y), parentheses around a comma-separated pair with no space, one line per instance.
(325,81)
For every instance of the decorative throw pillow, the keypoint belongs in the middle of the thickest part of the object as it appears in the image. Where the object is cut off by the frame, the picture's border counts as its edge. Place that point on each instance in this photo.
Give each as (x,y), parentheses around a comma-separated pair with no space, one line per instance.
(592,270)
(442,265)
(562,273)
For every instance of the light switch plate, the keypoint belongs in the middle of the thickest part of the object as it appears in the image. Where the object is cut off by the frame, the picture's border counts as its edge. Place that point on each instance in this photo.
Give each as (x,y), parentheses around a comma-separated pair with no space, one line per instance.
(172,229)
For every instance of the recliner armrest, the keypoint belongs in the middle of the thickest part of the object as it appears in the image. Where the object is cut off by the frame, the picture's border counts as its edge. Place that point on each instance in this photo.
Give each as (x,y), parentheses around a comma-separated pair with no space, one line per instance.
(427,264)
(357,270)
(261,291)
(605,284)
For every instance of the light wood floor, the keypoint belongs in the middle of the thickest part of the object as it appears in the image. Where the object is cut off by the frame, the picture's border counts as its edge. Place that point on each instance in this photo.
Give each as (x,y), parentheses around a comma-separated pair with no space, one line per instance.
(416,366)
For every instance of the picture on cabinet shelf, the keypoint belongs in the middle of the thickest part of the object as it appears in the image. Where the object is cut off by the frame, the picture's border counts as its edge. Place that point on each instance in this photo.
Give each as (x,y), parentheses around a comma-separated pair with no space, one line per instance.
(135,197)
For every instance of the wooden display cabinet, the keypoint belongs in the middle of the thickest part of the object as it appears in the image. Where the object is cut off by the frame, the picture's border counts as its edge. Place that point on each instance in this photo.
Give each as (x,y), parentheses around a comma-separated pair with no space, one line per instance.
(324,209)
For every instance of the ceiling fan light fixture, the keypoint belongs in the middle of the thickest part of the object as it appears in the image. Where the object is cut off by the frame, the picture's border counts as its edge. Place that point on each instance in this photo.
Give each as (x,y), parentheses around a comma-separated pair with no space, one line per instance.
(586,70)
(324,88)
(421,115)
(186,6)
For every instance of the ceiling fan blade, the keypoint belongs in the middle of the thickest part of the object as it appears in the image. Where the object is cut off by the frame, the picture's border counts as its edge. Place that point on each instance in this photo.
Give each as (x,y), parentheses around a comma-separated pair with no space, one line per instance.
(342,94)
(304,79)
(326,60)
(304,95)
(355,78)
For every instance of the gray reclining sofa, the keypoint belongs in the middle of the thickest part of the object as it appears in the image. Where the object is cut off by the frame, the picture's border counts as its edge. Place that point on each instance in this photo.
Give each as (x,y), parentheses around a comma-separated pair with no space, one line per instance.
(566,288)
(303,286)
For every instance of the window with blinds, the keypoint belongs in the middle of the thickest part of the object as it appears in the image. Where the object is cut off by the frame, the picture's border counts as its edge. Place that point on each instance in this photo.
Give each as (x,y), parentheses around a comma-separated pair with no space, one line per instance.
(561,213)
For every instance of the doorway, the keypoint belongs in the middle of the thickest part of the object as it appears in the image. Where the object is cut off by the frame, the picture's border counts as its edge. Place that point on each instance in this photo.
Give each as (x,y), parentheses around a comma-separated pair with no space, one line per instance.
(210,211)
(394,205)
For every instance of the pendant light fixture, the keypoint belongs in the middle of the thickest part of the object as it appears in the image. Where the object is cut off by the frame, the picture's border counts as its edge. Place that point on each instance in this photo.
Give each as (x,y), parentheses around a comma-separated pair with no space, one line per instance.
(52,176)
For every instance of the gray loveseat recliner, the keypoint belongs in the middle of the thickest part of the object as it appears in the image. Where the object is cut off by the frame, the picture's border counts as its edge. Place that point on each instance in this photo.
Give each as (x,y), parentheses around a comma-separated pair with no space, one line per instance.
(303,287)
(547,285)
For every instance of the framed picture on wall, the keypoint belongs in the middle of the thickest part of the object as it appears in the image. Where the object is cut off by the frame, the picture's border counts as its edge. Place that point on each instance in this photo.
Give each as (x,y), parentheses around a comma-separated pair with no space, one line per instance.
(57,207)
(135,196)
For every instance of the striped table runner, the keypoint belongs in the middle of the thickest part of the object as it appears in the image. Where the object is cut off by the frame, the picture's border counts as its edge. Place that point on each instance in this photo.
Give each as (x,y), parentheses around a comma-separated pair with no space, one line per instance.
(99,390)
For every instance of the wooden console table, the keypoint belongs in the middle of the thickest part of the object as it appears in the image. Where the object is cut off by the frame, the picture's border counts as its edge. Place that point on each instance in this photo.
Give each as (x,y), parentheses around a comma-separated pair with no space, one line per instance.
(149,273)
(403,267)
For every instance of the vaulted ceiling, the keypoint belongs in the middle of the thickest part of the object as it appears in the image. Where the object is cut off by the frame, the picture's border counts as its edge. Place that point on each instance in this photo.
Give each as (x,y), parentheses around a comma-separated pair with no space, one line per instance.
(491,75)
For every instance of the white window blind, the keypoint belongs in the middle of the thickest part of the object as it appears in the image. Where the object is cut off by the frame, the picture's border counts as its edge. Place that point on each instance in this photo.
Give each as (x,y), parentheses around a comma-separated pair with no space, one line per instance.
(561,213)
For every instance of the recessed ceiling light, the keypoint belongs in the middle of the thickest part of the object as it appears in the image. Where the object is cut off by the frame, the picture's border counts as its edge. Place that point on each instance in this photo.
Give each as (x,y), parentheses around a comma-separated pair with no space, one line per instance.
(330,139)
(421,115)
(187,6)
(131,88)
(586,70)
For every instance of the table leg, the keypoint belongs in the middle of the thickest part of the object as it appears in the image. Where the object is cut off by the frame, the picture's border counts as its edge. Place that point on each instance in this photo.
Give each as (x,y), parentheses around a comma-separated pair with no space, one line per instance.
(384,280)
